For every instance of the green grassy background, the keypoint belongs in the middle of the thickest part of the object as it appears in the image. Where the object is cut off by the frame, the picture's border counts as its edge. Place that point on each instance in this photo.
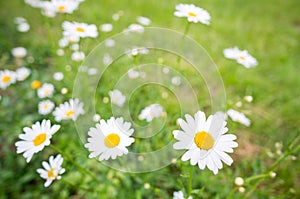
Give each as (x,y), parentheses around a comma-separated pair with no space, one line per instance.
(269,30)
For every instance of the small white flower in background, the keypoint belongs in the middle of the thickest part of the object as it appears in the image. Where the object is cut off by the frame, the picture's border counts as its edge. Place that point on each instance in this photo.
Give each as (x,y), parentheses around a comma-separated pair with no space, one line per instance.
(81,30)
(241,56)
(136,28)
(19,52)
(67,40)
(106,27)
(96,118)
(35,138)
(110,42)
(192,13)
(58,76)
(205,140)
(272,174)
(117,98)
(242,189)
(60,52)
(150,112)
(137,51)
(69,110)
(92,71)
(109,139)
(48,9)
(238,117)
(176,80)
(179,195)
(239,181)
(78,56)
(22,73)
(166,70)
(34,3)
(45,107)
(133,74)
(7,77)
(74,47)
(248,98)
(64,6)
(107,60)
(46,90)
(52,169)
(22,24)
(144,20)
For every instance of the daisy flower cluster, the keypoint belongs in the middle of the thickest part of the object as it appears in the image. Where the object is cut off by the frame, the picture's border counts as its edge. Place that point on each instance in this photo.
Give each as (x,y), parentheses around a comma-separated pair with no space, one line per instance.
(9,77)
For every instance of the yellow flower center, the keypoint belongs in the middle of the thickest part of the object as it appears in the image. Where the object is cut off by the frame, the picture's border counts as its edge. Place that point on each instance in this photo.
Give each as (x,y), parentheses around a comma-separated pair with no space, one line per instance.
(36,84)
(204,140)
(47,92)
(70,113)
(39,139)
(112,140)
(191,14)
(61,8)
(45,106)
(51,173)
(6,78)
(242,58)
(79,29)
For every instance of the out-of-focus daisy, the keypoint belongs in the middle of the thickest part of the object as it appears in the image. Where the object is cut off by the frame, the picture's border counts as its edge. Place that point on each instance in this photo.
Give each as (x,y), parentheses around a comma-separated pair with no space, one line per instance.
(64,6)
(144,20)
(7,77)
(136,28)
(133,74)
(109,139)
(69,110)
(137,51)
(79,29)
(92,71)
(52,169)
(179,195)
(67,40)
(22,24)
(34,3)
(19,52)
(46,90)
(60,52)
(96,118)
(205,141)
(110,42)
(107,60)
(117,98)
(241,56)
(22,73)
(58,76)
(74,47)
(35,138)
(45,107)
(248,98)
(78,56)
(176,80)
(238,117)
(36,84)
(106,27)
(192,13)
(150,112)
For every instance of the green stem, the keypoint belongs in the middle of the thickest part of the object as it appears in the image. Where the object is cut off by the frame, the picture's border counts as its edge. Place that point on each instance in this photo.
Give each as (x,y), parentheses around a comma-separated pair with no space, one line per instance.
(186,30)
(76,186)
(190,183)
(81,169)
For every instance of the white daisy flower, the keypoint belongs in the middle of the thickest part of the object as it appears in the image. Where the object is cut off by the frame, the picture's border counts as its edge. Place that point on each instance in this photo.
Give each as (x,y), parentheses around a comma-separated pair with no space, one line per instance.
(52,169)
(23,27)
(150,112)
(241,56)
(19,20)
(238,117)
(78,56)
(106,27)
(35,138)
(64,6)
(144,20)
(133,74)
(45,107)
(79,29)
(22,73)
(7,77)
(19,52)
(205,141)
(179,195)
(109,139)
(110,42)
(192,13)
(69,110)
(136,28)
(176,80)
(67,40)
(117,98)
(46,90)
(58,76)
(60,52)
